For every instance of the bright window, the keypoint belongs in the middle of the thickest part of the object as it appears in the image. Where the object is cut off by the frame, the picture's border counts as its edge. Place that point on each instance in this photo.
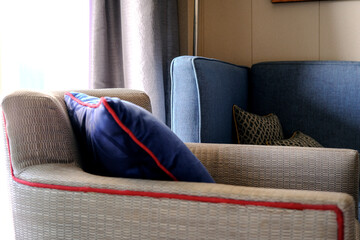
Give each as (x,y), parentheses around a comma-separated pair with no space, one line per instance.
(44,45)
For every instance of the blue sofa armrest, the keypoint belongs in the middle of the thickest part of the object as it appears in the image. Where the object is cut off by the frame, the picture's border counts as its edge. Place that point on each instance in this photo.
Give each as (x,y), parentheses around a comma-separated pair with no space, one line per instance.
(203,92)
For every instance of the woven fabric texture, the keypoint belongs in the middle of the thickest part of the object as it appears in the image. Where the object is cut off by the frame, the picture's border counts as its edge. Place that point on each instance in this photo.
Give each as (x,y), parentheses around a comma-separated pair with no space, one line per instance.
(319,169)
(255,129)
(52,198)
(81,215)
(40,130)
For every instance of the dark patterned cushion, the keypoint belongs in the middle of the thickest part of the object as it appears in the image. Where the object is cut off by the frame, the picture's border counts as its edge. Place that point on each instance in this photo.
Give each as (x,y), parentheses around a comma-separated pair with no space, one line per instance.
(255,129)
(298,139)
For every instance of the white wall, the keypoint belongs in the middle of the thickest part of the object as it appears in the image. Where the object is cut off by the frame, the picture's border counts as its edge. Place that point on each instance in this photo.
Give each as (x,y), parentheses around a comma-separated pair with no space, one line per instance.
(248,31)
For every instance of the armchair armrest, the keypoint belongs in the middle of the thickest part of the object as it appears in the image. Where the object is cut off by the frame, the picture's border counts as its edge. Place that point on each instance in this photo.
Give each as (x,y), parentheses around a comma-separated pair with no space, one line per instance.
(318,169)
(104,207)
(39,128)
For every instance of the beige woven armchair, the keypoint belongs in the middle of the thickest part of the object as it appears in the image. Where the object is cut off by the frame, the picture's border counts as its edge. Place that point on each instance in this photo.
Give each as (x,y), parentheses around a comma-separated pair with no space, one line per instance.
(254,197)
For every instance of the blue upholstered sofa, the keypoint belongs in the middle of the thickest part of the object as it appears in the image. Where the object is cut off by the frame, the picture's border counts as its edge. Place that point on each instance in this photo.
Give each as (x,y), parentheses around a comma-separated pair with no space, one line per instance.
(318,98)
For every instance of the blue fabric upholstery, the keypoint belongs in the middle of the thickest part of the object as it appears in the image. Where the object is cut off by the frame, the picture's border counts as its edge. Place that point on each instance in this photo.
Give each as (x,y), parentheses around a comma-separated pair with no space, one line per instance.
(318,98)
(201,106)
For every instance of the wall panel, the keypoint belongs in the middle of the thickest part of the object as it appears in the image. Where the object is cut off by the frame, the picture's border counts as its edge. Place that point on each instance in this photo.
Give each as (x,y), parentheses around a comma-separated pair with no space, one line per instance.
(225,30)
(286,31)
(245,32)
(340,30)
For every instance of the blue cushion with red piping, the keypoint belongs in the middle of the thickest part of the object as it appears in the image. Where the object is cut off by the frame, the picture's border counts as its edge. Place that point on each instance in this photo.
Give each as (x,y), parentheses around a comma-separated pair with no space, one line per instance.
(119,138)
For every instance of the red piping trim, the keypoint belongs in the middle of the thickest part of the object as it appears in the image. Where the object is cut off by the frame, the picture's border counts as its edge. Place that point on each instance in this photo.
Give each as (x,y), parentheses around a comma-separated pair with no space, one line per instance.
(282,205)
(127,130)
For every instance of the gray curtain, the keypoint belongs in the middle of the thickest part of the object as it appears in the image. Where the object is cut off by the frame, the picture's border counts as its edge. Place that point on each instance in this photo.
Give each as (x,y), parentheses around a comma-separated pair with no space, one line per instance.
(132,45)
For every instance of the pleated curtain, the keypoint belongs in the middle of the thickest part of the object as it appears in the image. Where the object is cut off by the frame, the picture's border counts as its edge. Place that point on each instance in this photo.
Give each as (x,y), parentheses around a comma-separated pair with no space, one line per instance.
(132,45)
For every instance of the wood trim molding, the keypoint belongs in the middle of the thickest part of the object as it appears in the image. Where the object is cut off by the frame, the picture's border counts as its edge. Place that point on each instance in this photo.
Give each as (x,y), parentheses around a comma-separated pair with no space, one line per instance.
(283,1)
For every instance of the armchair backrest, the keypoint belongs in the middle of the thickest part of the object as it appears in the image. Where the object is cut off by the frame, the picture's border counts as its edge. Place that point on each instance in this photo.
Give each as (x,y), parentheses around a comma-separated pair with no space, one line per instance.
(39,129)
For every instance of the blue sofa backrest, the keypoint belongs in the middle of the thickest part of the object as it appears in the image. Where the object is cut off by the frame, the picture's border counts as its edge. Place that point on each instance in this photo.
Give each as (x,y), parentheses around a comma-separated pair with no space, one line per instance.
(203,93)
(319,98)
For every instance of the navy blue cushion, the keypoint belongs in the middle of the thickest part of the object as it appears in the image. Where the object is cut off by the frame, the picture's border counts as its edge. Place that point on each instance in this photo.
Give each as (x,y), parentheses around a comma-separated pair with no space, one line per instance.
(121,139)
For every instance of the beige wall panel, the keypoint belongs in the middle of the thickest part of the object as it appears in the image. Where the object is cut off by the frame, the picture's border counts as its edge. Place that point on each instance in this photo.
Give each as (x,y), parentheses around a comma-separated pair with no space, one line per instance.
(225,30)
(339,30)
(286,31)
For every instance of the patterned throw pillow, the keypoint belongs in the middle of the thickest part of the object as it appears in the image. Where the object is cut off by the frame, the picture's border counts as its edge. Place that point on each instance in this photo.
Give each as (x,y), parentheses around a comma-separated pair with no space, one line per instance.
(297,139)
(255,129)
